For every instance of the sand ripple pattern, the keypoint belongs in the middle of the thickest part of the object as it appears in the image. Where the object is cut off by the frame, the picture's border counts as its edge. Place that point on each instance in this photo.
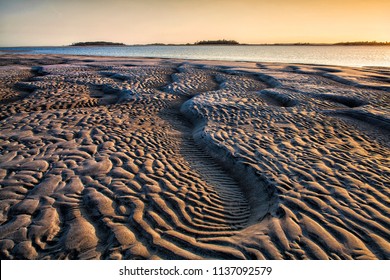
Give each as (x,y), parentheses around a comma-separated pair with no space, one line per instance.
(116,158)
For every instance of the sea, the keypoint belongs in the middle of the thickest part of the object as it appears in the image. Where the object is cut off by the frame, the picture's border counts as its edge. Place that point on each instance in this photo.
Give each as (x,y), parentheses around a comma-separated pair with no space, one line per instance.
(356,56)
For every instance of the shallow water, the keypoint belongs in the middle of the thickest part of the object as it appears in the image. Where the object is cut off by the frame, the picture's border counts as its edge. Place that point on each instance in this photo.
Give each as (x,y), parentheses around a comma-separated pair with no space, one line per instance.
(327,55)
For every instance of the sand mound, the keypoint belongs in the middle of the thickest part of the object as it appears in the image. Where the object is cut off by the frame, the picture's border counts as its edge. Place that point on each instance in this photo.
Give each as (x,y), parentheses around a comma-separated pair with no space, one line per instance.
(114,158)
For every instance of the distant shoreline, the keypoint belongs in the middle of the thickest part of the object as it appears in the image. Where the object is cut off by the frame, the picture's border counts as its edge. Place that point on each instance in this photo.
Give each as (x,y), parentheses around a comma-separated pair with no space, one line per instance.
(384,44)
(229,43)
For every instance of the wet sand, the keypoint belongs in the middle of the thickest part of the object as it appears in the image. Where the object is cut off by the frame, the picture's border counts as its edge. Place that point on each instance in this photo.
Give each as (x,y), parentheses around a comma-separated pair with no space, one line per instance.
(136,158)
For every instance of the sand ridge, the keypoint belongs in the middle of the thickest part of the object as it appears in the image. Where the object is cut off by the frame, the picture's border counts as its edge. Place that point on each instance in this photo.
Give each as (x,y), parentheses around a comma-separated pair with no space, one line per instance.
(119,158)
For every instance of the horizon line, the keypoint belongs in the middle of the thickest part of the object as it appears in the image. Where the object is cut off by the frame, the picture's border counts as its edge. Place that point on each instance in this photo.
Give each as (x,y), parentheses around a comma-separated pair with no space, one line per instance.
(346,43)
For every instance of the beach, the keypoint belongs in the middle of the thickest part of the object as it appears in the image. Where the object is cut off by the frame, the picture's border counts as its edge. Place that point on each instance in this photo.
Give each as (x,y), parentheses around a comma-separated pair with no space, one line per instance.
(151,158)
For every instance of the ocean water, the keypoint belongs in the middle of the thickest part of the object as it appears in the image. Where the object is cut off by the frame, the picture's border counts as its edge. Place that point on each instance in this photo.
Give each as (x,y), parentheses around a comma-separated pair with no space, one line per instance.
(324,55)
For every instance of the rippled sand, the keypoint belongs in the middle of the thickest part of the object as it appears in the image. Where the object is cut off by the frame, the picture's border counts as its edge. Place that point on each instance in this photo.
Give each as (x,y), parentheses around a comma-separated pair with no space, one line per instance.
(118,158)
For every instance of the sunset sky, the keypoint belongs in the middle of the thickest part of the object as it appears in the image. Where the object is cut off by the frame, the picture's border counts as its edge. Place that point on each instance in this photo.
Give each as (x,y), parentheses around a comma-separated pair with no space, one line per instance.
(62,22)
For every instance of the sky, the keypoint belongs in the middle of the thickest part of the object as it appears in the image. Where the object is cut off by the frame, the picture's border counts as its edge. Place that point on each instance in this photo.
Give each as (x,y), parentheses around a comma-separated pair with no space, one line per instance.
(63,22)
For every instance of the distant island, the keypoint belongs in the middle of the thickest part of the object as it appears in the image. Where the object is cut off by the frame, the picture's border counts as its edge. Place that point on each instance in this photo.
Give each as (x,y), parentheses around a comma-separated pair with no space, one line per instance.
(358,43)
(363,43)
(198,43)
(217,42)
(96,43)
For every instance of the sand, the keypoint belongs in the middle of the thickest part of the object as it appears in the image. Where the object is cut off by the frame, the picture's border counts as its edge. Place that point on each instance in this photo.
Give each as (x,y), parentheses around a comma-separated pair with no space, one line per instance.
(136,158)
